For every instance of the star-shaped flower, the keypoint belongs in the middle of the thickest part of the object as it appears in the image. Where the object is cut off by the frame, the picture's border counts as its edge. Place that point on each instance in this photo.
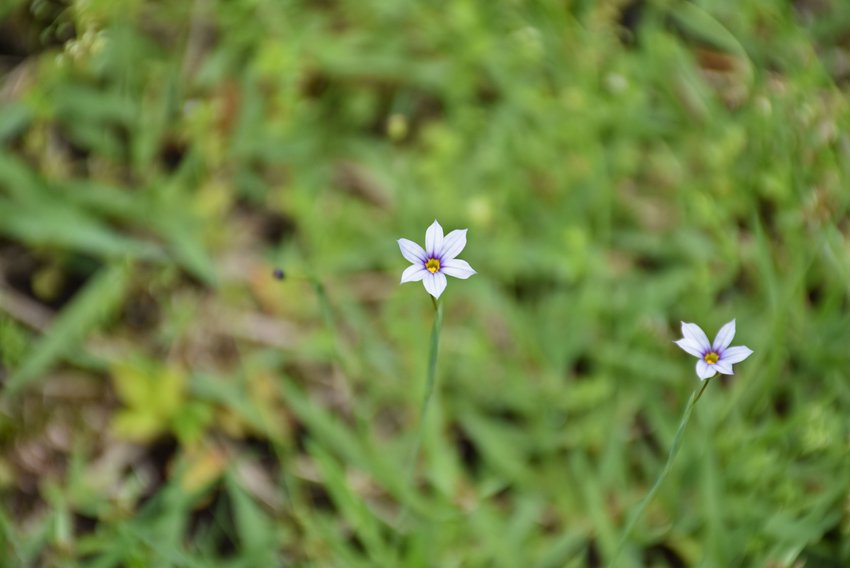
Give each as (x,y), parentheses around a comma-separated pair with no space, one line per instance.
(715,357)
(432,264)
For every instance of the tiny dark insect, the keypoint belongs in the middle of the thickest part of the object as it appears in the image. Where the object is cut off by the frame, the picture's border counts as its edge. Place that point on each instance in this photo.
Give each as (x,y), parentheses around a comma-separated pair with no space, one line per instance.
(279,274)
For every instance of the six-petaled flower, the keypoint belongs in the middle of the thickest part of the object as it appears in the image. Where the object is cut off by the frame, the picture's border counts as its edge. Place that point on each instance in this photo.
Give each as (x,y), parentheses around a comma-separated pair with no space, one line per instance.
(715,357)
(437,260)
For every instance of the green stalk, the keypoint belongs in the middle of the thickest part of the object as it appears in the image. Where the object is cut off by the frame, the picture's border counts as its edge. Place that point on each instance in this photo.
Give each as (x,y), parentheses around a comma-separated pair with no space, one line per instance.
(674,449)
(326,309)
(430,382)
(432,357)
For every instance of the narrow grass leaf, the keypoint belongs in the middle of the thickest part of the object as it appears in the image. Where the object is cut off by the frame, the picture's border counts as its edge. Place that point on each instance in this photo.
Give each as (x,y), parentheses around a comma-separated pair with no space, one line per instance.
(92,306)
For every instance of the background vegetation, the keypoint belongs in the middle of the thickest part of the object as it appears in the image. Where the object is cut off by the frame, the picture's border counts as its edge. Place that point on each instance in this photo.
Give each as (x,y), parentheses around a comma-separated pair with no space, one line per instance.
(621,166)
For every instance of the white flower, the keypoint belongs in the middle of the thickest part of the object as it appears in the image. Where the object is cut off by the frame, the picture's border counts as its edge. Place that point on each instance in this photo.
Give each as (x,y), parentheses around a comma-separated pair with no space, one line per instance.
(715,357)
(432,264)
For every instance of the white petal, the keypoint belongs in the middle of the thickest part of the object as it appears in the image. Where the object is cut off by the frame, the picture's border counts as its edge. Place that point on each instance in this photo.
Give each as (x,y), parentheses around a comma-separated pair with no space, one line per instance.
(433,239)
(724,336)
(704,370)
(690,347)
(457,268)
(453,244)
(413,273)
(735,354)
(695,333)
(435,283)
(411,251)
(723,367)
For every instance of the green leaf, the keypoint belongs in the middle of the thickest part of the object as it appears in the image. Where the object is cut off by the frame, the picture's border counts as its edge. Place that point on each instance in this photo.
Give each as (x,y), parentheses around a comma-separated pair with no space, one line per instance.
(252,525)
(95,304)
(46,221)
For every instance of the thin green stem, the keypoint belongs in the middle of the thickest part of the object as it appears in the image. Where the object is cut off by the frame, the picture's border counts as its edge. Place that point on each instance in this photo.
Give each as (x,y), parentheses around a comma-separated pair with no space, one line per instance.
(340,353)
(674,449)
(432,357)
(326,309)
(430,383)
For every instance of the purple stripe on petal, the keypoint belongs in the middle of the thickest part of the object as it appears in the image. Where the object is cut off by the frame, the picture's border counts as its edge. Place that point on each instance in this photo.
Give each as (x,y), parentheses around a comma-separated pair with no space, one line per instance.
(695,333)
(724,337)
(453,244)
(690,347)
(735,354)
(413,273)
(704,370)
(412,252)
(435,283)
(457,268)
(434,239)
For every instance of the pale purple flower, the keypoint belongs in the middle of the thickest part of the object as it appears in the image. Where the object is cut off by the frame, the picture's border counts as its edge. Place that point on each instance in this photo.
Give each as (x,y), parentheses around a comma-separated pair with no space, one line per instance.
(437,260)
(715,357)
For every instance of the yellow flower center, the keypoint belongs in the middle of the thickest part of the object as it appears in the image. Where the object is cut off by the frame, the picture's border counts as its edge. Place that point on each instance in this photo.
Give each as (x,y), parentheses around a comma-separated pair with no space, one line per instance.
(433,265)
(711,357)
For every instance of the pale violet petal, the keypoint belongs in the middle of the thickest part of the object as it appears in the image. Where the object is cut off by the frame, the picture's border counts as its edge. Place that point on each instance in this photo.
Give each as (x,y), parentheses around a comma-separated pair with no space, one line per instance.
(724,336)
(412,252)
(413,273)
(704,370)
(735,354)
(457,268)
(453,244)
(695,333)
(433,239)
(724,367)
(690,347)
(435,283)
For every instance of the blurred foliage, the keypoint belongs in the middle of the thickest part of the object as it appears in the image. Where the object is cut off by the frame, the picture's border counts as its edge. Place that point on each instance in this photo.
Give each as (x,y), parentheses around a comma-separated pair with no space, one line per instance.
(621,165)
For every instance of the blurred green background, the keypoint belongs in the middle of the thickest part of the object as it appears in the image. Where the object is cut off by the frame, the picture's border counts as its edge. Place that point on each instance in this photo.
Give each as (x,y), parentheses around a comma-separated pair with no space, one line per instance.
(620,165)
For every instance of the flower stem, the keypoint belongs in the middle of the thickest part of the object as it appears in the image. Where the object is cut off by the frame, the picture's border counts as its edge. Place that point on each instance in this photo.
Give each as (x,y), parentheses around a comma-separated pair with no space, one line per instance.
(432,357)
(431,380)
(674,449)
